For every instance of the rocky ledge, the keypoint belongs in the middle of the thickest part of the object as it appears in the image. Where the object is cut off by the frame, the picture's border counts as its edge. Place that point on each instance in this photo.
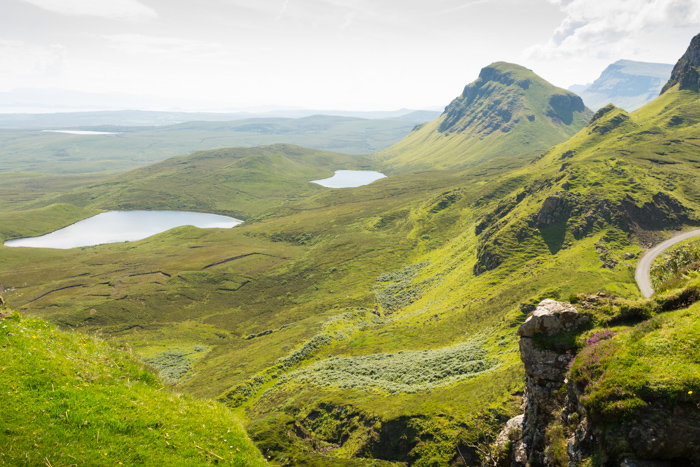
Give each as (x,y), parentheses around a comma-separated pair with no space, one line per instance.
(658,437)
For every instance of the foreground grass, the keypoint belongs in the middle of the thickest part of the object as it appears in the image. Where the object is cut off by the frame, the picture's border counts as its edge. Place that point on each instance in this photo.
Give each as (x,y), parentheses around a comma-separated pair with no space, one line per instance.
(625,369)
(71,399)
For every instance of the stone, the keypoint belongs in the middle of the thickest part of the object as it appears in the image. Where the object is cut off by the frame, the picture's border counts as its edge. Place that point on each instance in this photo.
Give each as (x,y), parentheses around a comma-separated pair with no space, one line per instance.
(550,318)
(553,209)
(510,435)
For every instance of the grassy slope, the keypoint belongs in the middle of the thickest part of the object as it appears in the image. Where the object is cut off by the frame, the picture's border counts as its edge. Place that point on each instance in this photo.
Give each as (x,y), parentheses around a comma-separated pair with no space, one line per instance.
(236,181)
(69,398)
(314,264)
(511,116)
(353,236)
(35,151)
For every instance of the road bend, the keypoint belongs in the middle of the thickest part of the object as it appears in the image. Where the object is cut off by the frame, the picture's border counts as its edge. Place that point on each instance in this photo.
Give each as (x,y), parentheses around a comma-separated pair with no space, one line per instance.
(642,275)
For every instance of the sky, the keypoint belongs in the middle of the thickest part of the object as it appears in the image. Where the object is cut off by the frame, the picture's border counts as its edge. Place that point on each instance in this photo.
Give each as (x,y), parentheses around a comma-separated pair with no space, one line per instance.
(324,54)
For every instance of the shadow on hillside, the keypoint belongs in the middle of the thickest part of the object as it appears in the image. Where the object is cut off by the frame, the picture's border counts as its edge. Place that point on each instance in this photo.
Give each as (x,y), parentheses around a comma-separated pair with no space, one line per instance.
(554,235)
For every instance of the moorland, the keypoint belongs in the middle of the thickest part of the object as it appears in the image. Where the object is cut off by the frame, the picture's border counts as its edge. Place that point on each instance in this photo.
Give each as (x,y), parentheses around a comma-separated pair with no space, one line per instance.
(376,325)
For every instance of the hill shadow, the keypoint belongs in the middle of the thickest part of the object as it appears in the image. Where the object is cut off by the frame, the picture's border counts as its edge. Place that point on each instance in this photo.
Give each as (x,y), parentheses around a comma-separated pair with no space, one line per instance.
(554,235)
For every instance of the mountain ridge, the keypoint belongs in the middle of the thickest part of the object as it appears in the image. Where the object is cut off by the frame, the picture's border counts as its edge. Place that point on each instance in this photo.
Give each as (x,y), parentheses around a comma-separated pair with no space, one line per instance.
(508,112)
(626,83)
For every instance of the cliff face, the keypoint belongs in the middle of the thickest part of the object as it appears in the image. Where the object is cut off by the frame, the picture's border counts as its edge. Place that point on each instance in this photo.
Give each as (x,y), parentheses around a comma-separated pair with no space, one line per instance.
(626,84)
(686,73)
(558,427)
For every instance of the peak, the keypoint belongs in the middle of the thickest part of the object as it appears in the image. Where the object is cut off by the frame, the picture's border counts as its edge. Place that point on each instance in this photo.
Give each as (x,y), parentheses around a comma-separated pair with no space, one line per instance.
(504,95)
(686,73)
(497,71)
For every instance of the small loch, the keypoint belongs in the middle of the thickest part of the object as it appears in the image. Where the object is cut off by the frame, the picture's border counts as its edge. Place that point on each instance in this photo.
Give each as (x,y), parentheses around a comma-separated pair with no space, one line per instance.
(350,178)
(122,226)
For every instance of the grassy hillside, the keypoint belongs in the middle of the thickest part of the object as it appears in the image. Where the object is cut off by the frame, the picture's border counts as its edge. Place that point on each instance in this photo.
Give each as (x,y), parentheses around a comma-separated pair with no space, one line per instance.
(135,146)
(372,324)
(508,113)
(236,181)
(69,398)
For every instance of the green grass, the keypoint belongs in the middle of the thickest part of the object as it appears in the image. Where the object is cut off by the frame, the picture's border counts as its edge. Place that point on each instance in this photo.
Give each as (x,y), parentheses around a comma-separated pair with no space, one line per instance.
(509,114)
(414,263)
(70,398)
(654,361)
(241,182)
(135,146)
(676,266)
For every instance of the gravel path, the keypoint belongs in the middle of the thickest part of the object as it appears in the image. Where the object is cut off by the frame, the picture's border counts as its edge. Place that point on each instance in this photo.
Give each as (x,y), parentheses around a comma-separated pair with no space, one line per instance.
(644,265)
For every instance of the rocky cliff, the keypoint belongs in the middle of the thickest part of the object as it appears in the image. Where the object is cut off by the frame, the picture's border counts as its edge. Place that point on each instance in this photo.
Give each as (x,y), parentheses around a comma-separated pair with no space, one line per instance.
(686,73)
(558,426)
(626,84)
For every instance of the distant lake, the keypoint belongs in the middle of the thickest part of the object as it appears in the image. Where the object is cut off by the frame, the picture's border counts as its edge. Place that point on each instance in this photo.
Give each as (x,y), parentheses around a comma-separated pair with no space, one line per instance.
(121,226)
(80,132)
(350,178)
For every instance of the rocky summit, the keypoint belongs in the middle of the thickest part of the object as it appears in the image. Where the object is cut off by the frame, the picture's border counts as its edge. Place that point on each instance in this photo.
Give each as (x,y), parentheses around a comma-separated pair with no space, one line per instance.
(508,114)
(686,73)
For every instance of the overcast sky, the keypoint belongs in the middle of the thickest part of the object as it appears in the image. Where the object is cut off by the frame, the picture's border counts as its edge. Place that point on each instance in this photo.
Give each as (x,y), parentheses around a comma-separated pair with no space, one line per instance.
(325,54)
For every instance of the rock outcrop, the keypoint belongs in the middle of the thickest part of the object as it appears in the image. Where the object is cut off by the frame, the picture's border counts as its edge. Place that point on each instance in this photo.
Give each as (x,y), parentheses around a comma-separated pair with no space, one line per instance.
(686,73)
(659,435)
(545,375)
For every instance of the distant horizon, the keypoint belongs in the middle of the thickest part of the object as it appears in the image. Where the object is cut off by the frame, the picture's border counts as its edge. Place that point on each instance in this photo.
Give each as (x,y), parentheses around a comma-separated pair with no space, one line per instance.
(174,107)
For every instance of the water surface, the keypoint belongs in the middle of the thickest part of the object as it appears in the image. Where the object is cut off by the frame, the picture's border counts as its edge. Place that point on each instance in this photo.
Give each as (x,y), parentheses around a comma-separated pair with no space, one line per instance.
(80,132)
(121,226)
(350,178)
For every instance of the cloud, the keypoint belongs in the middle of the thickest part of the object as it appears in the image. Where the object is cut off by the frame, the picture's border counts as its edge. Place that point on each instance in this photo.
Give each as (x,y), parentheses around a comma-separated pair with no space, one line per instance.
(607,28)
(130,10)
(22,63)
(167,48)
(285,4)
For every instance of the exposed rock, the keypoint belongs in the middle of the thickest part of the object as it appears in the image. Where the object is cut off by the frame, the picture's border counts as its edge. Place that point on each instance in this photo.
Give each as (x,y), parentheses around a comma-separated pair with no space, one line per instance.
(545,374)
(550,318)
(627,84)
(662,212)
(509,439)
(486,259)
(567,101)
(553,209)
(661,434)
(602,111)
(686,72)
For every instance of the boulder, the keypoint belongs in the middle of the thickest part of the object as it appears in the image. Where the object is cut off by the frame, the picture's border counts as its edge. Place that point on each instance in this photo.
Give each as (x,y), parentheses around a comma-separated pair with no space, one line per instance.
(551,318)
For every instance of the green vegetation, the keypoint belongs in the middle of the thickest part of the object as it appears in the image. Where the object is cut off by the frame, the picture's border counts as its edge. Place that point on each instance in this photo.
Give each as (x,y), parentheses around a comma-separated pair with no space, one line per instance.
(676,266)
(405,371)
(325,301)
(135,146)
(70,398)
(240,182)
(509,113)
(624,370)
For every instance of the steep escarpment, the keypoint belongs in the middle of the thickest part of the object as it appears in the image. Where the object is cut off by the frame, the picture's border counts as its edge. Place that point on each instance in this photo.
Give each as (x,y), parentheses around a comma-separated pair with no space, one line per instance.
(686,73)
(626,83)
(607,395)
(507,113)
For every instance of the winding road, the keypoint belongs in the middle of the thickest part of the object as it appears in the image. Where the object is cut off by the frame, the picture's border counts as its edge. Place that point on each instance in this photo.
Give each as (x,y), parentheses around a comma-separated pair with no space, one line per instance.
(644,265)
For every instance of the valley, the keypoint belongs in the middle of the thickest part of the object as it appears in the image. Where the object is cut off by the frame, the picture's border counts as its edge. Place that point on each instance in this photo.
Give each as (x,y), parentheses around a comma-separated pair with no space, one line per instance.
(377,325)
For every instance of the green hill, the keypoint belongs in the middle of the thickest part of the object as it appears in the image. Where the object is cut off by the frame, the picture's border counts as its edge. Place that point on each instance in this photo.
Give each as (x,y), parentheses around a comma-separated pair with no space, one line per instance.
(376,325)
(507,113)
(70,398)
(32,150)
(235,181)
